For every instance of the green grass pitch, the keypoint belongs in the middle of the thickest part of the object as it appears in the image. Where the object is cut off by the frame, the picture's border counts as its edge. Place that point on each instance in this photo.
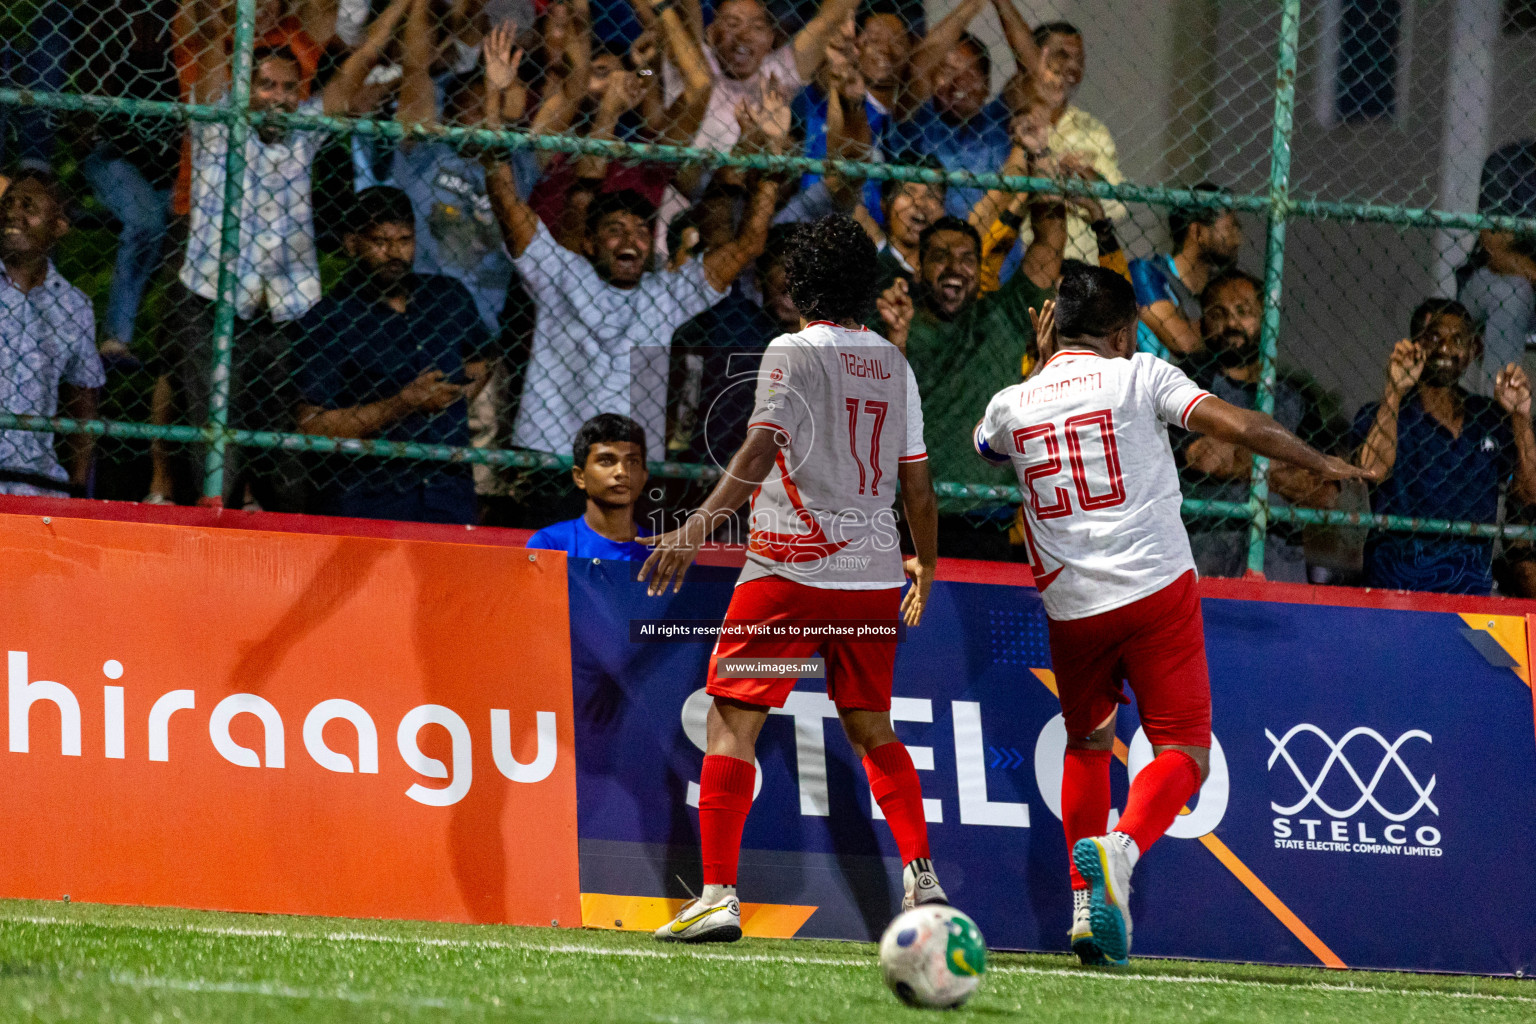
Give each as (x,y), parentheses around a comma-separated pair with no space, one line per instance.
(72,962)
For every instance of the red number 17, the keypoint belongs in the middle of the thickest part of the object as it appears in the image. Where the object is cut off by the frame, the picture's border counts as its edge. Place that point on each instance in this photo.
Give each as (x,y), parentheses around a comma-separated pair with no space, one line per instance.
(878,410)
(1043,470)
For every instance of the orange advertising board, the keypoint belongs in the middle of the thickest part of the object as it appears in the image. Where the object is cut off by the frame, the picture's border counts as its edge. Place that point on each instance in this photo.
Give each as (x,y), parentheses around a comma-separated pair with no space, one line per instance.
(286,723)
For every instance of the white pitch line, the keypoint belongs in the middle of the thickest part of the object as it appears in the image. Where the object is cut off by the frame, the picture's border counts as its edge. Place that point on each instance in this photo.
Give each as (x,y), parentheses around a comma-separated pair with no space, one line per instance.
(1206,979)
(142,982)
(404,940)
(809,961)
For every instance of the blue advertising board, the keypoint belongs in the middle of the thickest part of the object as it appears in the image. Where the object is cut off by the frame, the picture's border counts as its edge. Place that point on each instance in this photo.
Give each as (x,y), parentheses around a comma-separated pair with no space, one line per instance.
(1372,801)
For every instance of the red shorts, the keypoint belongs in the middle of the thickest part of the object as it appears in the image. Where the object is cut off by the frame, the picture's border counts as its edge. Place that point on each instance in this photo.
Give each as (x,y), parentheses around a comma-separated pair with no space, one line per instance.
(859,673)
(1156,644)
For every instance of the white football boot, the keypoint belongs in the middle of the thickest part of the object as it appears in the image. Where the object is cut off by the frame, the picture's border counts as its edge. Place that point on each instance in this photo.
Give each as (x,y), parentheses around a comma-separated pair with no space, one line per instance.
(921,885)
(1081,935)
(1103,862)
(704,920)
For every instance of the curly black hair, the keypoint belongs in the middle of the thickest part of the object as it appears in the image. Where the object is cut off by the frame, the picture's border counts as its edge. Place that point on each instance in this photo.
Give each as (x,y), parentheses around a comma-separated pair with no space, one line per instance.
(832,270)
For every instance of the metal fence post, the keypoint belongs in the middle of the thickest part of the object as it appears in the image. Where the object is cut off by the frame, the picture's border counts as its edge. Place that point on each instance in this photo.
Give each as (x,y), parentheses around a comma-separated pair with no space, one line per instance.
(237,131)
(1274,264)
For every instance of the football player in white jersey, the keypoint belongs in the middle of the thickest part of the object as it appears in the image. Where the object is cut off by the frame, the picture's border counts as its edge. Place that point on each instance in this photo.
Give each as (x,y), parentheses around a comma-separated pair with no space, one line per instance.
(1087,434)
(836,424)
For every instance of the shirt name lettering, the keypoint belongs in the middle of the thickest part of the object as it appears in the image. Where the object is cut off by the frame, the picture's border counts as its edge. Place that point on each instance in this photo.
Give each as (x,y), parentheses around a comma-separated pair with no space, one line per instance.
(855,366)
(1062,389)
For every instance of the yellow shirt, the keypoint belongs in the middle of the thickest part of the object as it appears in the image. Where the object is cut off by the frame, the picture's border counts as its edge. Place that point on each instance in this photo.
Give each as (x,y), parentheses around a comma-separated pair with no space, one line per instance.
(996,243)
(1080,132)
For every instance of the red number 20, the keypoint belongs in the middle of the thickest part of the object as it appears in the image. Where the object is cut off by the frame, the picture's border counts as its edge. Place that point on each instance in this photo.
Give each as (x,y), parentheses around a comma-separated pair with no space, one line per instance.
(1048,467)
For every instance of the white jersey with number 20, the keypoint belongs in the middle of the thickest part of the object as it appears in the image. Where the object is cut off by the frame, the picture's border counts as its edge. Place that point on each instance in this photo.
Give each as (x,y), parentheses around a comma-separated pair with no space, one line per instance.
(1088,437)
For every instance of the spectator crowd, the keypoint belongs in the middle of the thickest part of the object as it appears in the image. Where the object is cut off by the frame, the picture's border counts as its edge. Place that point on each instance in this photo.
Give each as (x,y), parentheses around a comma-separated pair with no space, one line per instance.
(430,288)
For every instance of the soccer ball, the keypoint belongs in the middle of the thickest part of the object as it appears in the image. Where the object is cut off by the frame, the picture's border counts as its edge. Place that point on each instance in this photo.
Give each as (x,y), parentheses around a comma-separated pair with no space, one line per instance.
(933,956)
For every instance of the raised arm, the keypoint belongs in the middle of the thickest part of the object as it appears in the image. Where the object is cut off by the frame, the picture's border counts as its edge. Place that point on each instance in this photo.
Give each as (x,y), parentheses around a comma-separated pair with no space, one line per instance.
(811,41)
(578,51)
(895,309)
(848,133)
(724,264)
(996,201)
(647,60)
(1512,390)
(764,125)
(847,139)
(318,18)
(1261,434)
(1379,452)
(348,81)
(1020,39)
(516,218)
(683,117)
(621,94)
(929,54)
(691,14)
(418,96)
(203,27)
(1043,257)
(562,96)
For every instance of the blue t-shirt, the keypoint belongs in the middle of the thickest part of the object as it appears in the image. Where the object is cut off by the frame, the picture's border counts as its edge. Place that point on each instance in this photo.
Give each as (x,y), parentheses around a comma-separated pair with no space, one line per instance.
(810,112)
(578,540)
(980,145)
(456,232)
(1437,476)
(1157,280)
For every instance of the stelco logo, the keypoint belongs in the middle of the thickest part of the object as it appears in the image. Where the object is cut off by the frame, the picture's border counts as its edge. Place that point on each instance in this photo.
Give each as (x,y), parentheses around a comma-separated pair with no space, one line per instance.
(1332,831)
(24,692)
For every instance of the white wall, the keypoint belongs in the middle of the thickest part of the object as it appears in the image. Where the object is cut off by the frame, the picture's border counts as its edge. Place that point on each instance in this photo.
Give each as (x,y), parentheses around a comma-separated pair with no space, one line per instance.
(1186,88)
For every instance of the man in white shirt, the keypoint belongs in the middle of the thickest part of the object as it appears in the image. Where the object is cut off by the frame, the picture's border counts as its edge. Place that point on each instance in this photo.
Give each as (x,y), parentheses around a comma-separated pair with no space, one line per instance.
(48,360)
(1088,436)
(1082,146)
(742,59)
(276,267)
(603,336)
(837,424)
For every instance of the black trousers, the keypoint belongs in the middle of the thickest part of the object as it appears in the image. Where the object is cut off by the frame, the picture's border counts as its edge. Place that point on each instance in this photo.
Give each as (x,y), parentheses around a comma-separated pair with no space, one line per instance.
(261,397)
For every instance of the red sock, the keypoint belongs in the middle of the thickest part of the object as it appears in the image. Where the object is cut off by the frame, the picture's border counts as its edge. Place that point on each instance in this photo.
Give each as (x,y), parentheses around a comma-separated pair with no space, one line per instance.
(897,790)
(1084,800)
(1157,795)
(725,797)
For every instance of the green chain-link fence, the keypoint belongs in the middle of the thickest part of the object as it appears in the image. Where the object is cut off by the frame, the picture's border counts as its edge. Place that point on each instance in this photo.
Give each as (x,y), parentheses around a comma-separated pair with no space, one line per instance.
(222,163)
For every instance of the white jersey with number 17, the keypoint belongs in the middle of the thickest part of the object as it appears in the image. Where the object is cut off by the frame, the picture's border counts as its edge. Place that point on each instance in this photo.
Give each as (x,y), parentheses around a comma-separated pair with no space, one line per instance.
(845,406)
(1088,437)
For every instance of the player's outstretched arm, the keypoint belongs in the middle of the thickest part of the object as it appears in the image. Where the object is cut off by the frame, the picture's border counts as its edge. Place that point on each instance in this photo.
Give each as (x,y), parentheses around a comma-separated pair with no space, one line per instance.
(674,551)
(923,520)
(1261,434)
